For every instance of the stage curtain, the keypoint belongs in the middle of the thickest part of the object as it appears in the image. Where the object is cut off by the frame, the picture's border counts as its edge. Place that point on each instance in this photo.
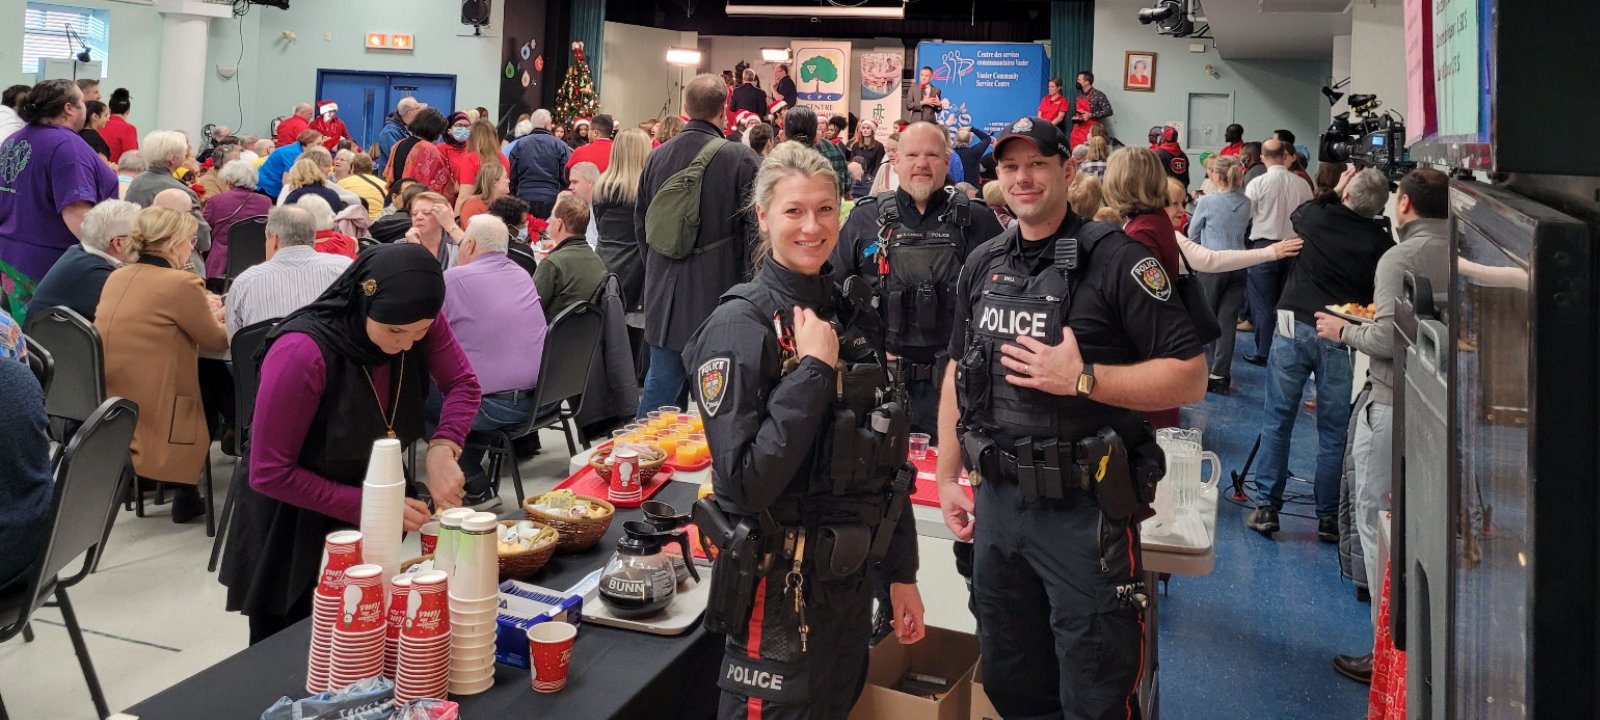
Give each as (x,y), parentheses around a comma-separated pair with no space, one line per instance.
(589,25)
(1072,43)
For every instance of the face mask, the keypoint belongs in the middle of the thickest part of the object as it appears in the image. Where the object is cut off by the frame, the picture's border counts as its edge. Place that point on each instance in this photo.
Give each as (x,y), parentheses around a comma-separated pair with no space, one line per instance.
(461,134)
(522,236)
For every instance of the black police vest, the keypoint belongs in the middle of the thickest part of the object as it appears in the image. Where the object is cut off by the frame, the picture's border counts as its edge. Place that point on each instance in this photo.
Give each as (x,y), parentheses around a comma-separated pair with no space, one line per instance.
(852,465)
(1013,303)
(917,298)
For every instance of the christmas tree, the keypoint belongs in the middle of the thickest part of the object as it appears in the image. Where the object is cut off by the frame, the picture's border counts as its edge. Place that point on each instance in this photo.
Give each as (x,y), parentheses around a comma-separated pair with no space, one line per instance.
(576,97)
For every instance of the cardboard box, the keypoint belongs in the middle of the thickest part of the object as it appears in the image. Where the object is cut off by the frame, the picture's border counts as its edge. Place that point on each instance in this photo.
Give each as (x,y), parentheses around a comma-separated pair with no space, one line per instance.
(522,606)
(982,708)
(942,653)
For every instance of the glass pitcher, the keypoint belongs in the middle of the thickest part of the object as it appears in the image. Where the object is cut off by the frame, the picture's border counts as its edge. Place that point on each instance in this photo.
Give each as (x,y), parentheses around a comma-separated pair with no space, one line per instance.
(1184,458)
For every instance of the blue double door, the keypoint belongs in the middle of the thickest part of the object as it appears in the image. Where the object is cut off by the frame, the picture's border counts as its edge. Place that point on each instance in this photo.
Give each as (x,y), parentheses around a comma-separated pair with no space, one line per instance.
(366,98)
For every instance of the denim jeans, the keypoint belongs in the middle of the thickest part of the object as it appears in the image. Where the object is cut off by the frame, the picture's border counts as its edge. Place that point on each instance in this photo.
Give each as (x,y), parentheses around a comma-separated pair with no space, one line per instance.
(493,414)
(1292,362)
(1263,286)
(666,383)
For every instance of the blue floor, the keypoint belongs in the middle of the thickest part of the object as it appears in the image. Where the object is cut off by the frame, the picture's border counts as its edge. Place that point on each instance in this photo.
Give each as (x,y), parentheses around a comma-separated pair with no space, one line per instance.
(1255,638)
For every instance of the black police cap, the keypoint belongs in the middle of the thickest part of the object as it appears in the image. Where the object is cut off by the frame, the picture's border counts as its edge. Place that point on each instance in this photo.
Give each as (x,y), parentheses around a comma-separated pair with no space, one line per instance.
(1044,136)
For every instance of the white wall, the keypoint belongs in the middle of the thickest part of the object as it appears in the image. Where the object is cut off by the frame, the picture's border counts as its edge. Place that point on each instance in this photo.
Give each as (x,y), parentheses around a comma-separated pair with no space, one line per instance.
(1378,53)
(1267,94)
(1341,70)
(635,79)
(135,53)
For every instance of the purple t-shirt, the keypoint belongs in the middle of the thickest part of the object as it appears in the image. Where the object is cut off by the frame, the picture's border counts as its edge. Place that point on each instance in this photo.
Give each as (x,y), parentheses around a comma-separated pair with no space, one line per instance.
(44,169)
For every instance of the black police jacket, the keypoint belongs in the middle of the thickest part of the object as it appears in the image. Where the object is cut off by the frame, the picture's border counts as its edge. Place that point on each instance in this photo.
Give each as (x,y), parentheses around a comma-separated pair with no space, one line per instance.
(766,427)
(1121,308)
(855,255)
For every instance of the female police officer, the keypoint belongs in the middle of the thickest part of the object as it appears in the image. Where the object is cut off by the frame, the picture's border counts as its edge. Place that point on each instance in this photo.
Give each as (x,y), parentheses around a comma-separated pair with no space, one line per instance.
(808,440)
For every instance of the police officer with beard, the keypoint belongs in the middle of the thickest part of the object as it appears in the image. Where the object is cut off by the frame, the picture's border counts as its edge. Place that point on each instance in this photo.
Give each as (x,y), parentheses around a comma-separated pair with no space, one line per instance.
(910,244)
(1067,329)
(808,438)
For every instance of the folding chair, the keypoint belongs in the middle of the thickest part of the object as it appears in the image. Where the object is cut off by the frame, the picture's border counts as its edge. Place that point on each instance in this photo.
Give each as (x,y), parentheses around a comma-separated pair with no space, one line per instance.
(247,245)
(242,351)
(85,492)
(569,349)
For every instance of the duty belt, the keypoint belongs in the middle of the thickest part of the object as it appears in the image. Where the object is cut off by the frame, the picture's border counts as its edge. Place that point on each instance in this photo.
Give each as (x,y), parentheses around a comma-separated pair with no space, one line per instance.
(919,372)
(1044,469)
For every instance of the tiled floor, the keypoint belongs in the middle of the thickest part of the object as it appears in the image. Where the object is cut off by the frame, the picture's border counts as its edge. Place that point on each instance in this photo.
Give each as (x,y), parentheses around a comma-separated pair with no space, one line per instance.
(1251,640)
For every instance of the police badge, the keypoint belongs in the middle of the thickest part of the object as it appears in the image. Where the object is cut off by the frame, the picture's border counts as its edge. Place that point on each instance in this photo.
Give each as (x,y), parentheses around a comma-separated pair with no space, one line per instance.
(713,382)
(1153,279)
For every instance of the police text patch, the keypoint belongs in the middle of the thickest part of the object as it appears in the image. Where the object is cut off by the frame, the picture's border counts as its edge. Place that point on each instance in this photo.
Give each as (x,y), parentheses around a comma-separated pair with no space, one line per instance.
(1153,279)
(713,382)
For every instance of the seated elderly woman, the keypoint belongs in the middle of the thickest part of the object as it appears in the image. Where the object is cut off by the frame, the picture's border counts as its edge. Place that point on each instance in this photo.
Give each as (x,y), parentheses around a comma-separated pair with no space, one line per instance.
(154,319)
(238,202)
(131,165)
(359,179)
(167,151)
(309,176)
(329,240)
(76,279)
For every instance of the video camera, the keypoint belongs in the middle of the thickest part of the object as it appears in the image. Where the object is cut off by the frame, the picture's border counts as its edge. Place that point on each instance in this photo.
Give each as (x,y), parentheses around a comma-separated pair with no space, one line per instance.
(1367,139)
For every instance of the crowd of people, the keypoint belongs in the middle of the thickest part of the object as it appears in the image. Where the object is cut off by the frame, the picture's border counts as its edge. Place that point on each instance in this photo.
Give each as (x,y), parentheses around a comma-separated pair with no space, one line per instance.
(408,287)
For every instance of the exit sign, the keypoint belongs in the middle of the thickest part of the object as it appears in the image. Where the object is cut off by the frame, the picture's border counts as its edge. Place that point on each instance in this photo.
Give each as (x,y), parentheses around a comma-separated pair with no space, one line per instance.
(384,41)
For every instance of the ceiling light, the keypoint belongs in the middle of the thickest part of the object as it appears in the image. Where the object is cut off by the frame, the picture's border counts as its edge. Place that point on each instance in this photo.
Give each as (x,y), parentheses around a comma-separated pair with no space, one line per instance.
(896,12)
(683,57)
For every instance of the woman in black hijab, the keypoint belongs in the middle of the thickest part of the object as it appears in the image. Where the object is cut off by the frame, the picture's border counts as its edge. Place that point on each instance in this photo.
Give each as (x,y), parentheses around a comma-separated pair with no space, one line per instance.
(348,369)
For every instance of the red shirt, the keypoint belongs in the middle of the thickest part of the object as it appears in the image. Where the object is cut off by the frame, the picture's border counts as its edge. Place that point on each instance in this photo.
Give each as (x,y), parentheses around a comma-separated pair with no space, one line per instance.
(1232,149)
(464,164)
(1050,107)
(119,136)
(334,242)
(597,152)
(290,129)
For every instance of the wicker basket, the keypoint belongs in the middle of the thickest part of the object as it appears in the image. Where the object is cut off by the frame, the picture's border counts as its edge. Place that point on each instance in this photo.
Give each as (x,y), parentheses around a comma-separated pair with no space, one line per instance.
(576,535)
(514,566)
(647,466)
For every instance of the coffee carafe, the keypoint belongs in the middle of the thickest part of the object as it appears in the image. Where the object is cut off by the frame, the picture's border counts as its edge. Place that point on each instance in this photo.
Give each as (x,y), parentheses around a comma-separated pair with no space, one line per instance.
(669,522)
(639,580)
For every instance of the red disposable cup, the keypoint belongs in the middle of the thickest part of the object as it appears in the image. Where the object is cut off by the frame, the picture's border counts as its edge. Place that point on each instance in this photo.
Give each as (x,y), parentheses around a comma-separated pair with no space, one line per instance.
(550,648)
(430,536)
(361,600)
(343,549)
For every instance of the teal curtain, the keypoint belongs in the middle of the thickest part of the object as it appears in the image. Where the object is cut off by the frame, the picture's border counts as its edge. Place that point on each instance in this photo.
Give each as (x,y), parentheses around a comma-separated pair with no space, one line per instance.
(588,25)
(1072,43)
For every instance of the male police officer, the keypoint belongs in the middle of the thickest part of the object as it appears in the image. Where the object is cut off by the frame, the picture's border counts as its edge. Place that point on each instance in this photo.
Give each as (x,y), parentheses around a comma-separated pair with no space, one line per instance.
(910,244)
(1066,331)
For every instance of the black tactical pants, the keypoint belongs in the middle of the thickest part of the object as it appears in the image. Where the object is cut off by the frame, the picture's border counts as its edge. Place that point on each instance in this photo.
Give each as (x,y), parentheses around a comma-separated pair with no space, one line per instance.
(765,676)
(1059,638)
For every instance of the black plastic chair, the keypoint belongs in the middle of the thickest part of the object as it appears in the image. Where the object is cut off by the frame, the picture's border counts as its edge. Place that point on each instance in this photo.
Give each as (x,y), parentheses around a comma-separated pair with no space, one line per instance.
(80,365)
(85,493)
(40,362)
(569,348)
(522,255)
(246,378)
(247,245)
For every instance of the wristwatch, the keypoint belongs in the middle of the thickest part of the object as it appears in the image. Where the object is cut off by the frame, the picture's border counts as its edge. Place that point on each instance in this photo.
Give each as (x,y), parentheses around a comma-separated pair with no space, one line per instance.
(1086,380)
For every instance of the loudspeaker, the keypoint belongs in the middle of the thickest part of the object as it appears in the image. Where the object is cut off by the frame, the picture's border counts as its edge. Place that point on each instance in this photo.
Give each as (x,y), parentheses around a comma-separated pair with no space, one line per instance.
(475,12)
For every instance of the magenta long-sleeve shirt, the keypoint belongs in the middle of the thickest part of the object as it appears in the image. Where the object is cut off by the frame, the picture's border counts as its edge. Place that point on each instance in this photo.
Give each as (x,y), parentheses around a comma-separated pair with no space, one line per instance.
(293,376)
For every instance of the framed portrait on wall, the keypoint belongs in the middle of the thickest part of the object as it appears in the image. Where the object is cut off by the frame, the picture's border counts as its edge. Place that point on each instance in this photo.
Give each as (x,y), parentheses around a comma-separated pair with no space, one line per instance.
(1139,71)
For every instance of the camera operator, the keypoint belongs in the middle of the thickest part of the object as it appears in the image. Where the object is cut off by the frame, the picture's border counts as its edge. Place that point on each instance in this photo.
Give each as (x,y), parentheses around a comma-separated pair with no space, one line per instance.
(1344,238)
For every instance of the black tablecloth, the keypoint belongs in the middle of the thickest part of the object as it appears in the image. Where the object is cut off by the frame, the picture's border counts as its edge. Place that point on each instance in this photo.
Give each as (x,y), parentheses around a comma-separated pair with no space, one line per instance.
(615,673)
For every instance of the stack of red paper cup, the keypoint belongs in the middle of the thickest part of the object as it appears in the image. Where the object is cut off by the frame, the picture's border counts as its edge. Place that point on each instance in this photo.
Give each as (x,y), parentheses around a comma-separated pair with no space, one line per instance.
(343,551)
(423,669)
(474,606)
(399,592)
(358,635)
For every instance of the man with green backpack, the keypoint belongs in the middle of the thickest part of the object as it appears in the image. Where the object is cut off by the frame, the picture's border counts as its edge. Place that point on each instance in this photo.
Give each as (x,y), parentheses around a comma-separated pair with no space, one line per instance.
(697,232)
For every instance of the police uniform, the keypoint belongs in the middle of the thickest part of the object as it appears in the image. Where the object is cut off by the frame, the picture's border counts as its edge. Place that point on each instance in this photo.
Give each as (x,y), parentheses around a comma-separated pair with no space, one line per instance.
(809,466)
(911,261)
(1062,481)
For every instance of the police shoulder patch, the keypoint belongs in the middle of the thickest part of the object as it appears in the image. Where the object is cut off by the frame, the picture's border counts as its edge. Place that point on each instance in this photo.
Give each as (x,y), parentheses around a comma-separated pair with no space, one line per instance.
(1153,279)
(712,379)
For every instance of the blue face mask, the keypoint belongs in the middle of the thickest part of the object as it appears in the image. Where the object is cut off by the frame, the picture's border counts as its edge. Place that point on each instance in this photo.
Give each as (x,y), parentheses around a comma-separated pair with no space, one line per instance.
(461,134)
(522,235)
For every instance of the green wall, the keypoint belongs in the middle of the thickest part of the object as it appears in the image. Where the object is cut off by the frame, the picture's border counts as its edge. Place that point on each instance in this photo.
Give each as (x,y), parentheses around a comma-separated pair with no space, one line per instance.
(135,52)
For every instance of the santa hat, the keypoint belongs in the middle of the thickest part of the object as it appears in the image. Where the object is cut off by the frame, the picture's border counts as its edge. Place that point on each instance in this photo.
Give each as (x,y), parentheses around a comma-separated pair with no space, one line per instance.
(327,106)
(580,121)
(743,116)
(776,105)
(684,118)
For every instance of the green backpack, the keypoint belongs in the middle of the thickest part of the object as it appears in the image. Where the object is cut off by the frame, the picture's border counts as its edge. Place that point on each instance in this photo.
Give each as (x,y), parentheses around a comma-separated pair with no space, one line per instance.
(672,222)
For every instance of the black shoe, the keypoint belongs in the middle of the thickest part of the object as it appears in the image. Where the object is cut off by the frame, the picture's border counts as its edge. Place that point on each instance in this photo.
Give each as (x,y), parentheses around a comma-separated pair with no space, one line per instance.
(482,503)
(1263,520)
(1328,529)
(186,504)
(1256,359)
(1355,667)
(1219,385)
